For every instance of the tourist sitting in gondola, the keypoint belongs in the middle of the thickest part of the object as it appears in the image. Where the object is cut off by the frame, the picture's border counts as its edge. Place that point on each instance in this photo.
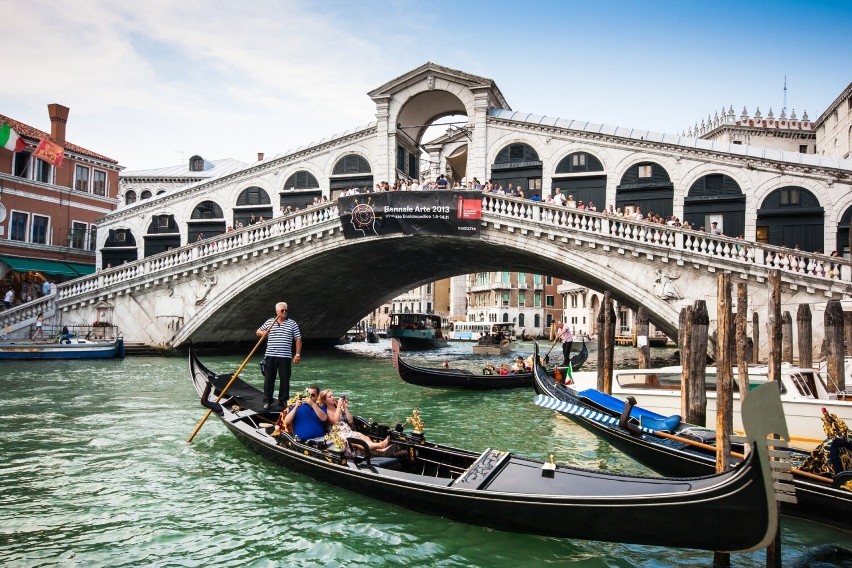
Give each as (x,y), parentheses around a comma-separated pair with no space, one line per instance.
(504,370)
(306,418)
(337,410)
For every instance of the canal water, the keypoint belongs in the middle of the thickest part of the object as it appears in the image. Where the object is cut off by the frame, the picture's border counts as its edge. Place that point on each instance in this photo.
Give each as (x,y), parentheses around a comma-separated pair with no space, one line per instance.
(96,471)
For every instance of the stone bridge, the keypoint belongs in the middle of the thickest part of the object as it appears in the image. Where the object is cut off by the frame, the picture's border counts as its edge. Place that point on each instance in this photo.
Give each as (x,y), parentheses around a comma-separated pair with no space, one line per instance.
(219,290)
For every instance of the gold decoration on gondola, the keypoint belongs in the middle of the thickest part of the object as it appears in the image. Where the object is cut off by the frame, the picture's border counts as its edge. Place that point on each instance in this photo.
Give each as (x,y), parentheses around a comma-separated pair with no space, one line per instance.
(335,438)
(819,461)
(415,421)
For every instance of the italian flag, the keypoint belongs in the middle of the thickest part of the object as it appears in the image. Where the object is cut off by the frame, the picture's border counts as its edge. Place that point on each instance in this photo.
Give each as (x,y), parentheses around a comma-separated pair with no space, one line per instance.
(9,139)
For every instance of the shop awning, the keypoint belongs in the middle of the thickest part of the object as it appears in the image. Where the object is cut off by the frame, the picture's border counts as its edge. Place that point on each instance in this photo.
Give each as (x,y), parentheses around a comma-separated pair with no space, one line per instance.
(52,267)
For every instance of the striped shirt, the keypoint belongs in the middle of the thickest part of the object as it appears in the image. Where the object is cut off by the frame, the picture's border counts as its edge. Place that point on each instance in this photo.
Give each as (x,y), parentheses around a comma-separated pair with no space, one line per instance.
(279,341)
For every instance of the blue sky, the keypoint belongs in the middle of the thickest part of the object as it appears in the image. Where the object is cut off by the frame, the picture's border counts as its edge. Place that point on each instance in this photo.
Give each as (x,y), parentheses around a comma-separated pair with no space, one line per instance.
(155,82)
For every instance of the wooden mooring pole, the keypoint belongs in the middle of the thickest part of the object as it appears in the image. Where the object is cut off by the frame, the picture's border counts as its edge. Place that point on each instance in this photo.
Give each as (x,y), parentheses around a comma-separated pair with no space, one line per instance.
(606,344)
(643,345)
(806,336)
(724,389)
(773,551)
(755,332)
(685,343)
(786,338)
(695,393)
(834,350)
(743,355)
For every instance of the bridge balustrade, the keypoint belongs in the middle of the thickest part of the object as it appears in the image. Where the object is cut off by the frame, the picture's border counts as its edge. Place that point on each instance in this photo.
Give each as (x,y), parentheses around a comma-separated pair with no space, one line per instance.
(219,245)
(674,238)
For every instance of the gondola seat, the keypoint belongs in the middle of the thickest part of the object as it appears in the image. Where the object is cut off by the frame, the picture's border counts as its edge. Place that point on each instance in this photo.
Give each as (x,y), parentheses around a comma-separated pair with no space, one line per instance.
(385,462)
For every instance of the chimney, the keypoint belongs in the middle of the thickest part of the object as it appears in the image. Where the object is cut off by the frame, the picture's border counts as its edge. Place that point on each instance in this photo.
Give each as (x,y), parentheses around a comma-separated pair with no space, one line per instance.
(58,118)
(260,156)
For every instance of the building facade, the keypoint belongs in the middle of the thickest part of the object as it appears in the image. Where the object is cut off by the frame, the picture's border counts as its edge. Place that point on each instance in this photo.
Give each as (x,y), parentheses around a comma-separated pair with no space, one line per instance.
(49,213)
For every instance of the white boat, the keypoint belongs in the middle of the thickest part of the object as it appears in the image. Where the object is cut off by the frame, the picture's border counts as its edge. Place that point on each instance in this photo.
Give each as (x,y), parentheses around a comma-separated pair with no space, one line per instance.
(804,393)
(497,340)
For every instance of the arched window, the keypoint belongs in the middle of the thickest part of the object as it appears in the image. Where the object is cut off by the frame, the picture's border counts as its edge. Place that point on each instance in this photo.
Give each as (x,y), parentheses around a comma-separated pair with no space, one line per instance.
(207,210)
(579,162)
(301,180)
(196,164)
(350,171)
(145,195)
(505,318)
(518,152)
(521,320)
(537,321)
(129,197)
(253,196)
(120,247)
(351,164)
(791,216)
(518,164)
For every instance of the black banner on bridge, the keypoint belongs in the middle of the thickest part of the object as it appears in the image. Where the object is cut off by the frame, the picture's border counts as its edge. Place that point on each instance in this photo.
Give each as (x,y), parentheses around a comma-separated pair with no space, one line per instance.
(442,212)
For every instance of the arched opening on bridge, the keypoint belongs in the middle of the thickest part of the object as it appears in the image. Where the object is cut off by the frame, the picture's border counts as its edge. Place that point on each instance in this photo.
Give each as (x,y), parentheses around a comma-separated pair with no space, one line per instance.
(518,164)
(120,247)
(145,195)
(791,216)
(843,234)
(716,197)
(300,189)
(646,185)
(575,176)
(129,197)
(252,201)
(350,171)
(207,220)
(163,234)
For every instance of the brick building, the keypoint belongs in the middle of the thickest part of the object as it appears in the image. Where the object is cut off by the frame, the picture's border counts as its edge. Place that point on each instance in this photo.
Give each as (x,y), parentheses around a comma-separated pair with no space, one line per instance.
(48,213)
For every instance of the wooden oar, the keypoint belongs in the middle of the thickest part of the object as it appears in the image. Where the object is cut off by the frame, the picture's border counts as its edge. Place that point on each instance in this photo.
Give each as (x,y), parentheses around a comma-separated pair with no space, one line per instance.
(234,378)
(563,406)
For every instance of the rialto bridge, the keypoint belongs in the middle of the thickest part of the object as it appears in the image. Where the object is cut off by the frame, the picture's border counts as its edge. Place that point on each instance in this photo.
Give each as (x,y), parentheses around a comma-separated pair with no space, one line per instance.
(218,290)
(169,287)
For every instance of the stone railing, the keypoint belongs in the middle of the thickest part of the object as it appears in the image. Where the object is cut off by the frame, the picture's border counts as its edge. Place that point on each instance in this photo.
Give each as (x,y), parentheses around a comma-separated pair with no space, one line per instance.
(21,317)
(163,263)
(721,248)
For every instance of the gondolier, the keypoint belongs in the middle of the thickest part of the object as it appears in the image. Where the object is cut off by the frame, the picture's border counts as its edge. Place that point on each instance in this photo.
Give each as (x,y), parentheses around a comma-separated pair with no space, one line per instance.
(566,336)
(283,332)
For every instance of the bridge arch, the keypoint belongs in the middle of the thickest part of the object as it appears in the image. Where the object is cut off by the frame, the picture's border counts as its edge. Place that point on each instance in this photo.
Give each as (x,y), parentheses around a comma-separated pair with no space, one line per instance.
(419,105)
(253,199)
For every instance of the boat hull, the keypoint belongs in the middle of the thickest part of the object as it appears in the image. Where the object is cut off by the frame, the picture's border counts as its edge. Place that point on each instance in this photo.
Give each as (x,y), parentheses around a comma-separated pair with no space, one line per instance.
(457,379)
(87,350)
(816,501)
(728,512)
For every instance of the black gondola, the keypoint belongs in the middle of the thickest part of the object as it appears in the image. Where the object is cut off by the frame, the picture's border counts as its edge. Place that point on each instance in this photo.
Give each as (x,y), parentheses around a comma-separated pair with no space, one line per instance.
(733,511)
(816,499)
(461,379)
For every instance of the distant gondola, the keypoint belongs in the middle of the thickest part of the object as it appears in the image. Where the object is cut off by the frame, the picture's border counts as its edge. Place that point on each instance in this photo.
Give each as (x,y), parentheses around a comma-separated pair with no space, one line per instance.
(817,499)
(460,379)
(733,511)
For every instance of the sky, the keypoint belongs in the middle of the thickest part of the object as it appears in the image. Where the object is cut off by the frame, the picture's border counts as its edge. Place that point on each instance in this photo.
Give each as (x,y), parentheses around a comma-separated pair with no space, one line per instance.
(152,83)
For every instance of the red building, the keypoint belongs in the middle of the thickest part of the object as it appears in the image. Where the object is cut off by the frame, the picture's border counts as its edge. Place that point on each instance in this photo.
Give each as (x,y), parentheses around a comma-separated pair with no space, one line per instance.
(48,212)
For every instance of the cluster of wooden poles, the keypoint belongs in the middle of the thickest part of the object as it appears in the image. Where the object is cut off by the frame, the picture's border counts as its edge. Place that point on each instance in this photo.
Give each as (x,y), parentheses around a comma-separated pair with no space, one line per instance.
(732,346)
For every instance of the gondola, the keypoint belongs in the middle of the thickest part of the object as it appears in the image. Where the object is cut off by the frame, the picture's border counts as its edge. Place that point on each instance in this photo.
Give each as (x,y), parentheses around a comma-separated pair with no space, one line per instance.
(461,379)
(733,511)
(682,449)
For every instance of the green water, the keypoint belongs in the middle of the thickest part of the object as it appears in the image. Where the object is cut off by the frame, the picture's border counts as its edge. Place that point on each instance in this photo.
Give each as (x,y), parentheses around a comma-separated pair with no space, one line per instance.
(96,471)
